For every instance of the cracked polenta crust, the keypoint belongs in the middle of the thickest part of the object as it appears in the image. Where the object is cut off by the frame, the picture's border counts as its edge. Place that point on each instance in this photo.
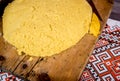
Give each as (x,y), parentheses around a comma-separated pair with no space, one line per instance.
(45,27)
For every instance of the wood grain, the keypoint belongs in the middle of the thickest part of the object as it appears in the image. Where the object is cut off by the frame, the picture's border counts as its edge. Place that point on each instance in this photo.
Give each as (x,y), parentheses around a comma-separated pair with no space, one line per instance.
(66,66)
(104,8)
(9,52)
(26,66)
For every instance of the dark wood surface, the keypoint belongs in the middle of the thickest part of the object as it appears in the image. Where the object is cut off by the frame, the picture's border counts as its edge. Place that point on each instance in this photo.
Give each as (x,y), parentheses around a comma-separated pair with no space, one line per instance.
(3,4)
(116,10)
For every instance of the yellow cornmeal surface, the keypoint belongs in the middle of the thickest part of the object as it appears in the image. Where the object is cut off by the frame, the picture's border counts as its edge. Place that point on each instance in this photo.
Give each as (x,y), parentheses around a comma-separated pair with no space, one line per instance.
(45,27)
(95,25)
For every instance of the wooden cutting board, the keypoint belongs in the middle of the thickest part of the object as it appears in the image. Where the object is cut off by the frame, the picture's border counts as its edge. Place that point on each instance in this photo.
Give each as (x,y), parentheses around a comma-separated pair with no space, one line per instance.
(66,66)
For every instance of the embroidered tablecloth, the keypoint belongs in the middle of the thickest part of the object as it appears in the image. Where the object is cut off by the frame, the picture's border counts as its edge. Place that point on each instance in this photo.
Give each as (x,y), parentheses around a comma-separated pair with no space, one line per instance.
(104,63)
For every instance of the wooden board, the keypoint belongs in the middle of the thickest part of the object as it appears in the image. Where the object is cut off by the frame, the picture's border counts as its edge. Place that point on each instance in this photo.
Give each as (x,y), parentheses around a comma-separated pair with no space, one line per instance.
(104,8)
(66,66)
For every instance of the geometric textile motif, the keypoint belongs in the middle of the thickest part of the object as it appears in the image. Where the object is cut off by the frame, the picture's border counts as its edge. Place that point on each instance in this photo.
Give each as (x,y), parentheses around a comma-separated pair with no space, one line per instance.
(7,76)
(104,63)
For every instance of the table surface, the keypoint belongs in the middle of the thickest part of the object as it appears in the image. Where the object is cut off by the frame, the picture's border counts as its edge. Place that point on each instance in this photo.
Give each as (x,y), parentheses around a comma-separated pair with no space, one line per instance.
(116,10)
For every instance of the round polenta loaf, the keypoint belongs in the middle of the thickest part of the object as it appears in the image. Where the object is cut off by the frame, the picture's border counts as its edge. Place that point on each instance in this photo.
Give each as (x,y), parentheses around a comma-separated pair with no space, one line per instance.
(45,27)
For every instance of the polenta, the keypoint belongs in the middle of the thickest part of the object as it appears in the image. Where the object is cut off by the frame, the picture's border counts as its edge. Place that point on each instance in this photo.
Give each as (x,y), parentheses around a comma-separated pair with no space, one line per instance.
(45,27)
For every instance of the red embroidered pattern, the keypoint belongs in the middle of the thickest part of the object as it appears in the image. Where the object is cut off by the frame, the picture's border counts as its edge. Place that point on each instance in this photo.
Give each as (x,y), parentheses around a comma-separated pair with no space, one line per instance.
(104,63)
